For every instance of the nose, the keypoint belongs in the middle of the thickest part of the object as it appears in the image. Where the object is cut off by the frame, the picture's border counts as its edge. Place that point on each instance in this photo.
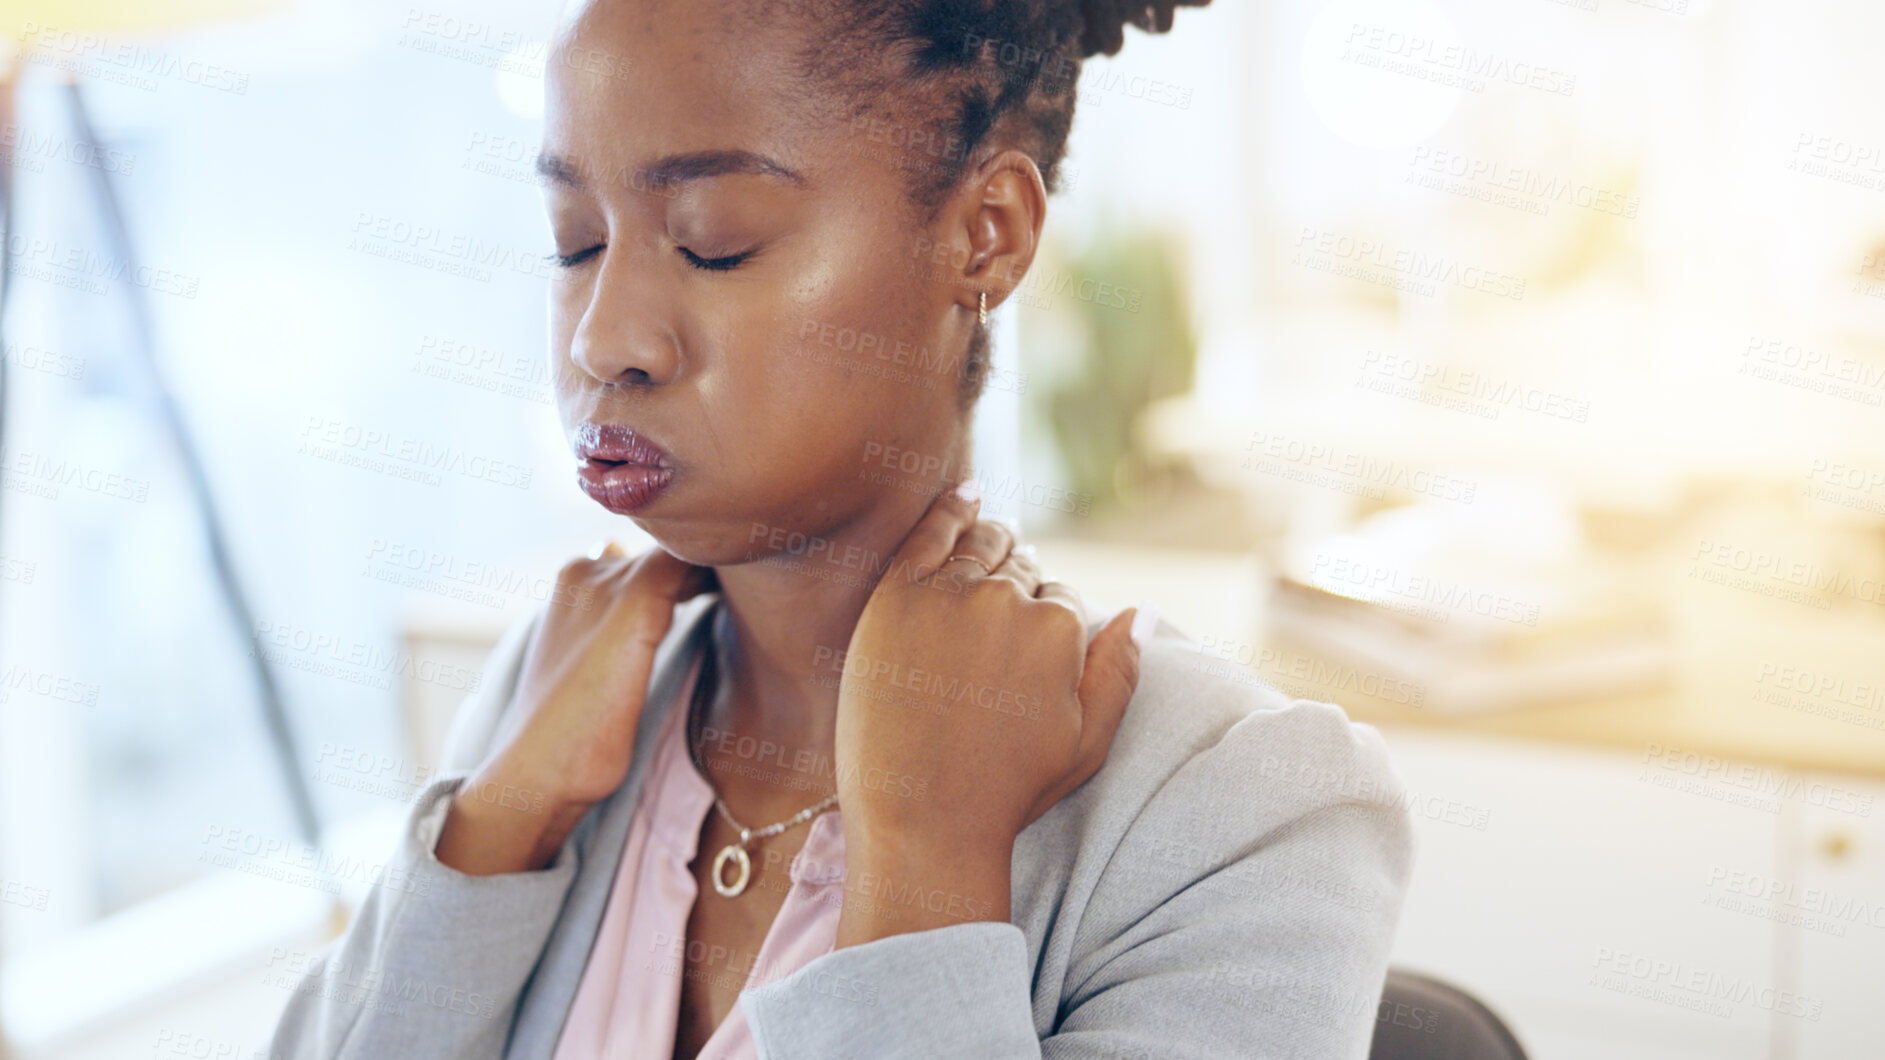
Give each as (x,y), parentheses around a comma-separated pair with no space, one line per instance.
(626,334)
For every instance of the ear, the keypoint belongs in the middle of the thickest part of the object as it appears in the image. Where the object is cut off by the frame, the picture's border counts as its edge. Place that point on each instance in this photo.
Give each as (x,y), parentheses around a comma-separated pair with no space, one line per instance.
(994,223)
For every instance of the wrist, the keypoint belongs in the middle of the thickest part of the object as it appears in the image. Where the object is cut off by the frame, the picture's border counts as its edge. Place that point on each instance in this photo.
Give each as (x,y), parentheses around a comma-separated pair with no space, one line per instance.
(497,826)
(897,881)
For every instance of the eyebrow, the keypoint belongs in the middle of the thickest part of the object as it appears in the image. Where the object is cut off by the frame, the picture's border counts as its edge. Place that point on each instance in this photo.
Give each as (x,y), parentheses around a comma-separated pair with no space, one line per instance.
(676,169)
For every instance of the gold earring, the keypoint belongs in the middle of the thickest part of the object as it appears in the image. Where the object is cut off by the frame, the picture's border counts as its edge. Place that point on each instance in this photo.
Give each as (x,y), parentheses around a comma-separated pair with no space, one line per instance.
(982,311)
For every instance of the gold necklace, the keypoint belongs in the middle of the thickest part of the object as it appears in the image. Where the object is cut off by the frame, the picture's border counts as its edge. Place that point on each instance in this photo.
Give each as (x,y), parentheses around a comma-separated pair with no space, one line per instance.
(735,851)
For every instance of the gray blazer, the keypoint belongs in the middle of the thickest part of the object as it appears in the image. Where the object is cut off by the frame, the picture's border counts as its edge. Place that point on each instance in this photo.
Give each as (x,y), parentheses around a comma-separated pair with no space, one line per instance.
(1227,885)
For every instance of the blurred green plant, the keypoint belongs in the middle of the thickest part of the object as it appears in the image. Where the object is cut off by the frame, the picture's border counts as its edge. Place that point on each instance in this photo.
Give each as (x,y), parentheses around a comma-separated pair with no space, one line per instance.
(1132,344)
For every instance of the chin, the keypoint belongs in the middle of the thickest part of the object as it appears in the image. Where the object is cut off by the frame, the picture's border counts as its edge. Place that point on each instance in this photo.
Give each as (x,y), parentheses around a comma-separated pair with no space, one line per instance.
(720,542)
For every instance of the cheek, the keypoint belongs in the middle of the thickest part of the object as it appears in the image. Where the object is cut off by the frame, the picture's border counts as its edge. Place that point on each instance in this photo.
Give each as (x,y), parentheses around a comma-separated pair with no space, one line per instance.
(567,302)
(568,298)
(795,415)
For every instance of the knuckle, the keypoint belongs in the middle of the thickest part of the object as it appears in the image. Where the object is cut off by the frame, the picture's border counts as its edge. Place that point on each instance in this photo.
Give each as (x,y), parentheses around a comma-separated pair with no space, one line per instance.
(1058,620)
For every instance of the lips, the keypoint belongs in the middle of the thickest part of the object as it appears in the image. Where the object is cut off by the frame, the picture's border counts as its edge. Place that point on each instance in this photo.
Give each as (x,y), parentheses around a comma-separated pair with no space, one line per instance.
(619,468)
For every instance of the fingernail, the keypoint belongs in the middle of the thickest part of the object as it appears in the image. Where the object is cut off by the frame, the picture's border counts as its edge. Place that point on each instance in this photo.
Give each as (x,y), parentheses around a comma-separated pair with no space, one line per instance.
(969,491)
(1144,621)
(597,550)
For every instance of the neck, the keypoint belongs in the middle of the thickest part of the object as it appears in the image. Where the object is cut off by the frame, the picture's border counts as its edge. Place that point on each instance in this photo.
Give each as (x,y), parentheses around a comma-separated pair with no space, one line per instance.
(787,622)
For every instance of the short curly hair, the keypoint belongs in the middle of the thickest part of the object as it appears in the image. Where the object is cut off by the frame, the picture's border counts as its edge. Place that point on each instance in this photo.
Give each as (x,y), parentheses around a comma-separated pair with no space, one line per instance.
(941,80)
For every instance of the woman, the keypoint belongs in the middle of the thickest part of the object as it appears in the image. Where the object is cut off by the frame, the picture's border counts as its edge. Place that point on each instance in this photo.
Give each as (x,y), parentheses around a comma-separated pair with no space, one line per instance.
(835,771)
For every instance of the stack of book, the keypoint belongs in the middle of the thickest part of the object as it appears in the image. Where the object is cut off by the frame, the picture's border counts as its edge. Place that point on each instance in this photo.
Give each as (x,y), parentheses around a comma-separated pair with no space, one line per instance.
(1473,635)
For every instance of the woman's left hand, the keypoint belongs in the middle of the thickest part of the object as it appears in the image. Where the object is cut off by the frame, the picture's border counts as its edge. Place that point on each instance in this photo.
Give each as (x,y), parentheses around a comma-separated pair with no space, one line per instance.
(971,703)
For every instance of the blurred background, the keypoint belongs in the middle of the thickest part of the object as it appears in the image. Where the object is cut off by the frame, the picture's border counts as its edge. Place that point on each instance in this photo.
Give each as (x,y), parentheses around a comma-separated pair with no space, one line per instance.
(1511,373)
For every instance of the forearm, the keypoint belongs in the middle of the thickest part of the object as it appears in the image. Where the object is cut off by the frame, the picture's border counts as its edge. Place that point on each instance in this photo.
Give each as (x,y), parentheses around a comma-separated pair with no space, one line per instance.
(431,965)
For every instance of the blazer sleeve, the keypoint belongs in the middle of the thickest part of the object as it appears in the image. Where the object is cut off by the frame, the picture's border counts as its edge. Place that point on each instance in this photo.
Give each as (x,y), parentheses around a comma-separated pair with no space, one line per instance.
(1248,911)
(434,962)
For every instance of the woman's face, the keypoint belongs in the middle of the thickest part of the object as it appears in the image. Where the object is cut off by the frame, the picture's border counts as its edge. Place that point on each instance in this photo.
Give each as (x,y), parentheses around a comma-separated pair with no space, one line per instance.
(740,286)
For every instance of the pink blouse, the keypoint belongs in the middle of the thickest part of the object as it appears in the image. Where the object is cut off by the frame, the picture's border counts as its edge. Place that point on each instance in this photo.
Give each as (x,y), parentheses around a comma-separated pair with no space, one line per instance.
(628,1003)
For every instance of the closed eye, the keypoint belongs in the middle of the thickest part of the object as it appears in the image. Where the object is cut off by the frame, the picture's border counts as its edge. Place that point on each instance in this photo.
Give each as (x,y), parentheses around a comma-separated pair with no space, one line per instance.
(713,264)
(570,261)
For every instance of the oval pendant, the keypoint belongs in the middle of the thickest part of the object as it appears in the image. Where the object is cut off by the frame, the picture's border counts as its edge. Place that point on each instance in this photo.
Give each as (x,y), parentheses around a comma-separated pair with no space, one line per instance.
(737,855)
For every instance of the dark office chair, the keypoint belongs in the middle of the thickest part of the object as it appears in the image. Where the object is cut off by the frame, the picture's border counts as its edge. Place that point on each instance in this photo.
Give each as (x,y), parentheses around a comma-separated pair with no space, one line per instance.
(1421,1018)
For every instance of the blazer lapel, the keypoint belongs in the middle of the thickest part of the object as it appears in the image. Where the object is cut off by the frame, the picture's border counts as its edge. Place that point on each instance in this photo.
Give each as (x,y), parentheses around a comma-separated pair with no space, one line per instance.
(600,839)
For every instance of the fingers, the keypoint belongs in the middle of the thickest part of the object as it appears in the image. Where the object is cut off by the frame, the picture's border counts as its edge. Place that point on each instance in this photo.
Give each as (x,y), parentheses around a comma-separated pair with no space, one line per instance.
(635,595)
(1021,568)
(1108,677)
(933,539)
(1106,685)
(980,551)
(660,575)
(1058,593)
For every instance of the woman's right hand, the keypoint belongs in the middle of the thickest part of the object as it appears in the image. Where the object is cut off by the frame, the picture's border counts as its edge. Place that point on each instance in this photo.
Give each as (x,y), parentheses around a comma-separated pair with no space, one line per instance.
(569,732)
